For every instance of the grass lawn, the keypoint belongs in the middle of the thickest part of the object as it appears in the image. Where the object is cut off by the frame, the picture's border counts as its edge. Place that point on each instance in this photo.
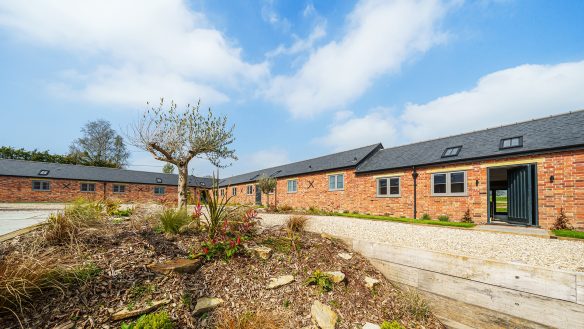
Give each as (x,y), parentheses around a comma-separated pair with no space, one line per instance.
(569,234)
(501,204)
(403,220)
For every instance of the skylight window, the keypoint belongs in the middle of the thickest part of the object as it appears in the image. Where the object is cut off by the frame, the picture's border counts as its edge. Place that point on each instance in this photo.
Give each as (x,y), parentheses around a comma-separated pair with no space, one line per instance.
(451,151)
(158,180)
(275,173)
(507,143)
(43,172)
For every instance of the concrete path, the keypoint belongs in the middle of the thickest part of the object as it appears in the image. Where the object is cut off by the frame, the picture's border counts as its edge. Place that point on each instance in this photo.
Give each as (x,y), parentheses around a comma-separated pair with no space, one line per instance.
(12,220)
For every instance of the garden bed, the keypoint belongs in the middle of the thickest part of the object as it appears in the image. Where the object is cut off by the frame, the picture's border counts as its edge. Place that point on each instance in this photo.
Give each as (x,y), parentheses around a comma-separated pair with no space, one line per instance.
(115,275)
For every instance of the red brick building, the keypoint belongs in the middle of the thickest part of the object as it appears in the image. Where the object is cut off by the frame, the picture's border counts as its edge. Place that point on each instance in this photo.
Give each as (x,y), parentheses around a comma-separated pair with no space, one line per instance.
(524,174)
(29,181)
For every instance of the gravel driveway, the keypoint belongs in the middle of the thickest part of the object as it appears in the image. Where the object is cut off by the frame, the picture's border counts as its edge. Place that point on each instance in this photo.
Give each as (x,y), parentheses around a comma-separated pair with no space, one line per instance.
(555,254)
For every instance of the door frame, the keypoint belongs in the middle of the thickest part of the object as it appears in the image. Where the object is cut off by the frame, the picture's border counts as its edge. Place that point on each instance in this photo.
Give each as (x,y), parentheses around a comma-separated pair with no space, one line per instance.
(535,197)
(258,195)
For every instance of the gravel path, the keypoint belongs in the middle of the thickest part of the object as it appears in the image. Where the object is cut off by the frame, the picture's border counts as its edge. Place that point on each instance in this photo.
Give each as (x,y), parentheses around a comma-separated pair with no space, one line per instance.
(555,254)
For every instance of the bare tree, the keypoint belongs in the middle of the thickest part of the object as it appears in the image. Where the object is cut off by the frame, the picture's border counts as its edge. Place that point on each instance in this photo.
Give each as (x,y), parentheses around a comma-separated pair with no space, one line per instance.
(267,185)
(100,146)
(178,137)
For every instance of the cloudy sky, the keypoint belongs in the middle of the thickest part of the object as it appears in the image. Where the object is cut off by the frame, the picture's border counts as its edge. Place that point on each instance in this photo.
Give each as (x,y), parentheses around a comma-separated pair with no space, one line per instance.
(298,78)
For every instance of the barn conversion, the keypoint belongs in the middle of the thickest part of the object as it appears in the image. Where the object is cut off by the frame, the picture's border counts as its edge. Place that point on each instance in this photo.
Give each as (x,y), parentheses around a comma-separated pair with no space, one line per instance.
(524,173)
(29,181)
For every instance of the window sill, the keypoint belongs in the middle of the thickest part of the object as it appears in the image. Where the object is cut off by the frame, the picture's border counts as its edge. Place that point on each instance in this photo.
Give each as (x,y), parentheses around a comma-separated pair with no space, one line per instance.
(388,196)
(337,190)
(41,190)
(450,195)
(292,192)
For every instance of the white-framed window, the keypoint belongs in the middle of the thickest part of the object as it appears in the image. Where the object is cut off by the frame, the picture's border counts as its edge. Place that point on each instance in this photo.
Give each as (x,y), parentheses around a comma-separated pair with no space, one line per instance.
(117,188)
(388,187)
(41,185)
(292,186)
(249,189)
(336,182)
(234,191)
(159,190)
(449,183)
(222,192)
(87,187)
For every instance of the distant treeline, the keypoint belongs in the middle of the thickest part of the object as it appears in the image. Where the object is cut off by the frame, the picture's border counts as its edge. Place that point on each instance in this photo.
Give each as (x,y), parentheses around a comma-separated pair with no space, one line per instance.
(7,152)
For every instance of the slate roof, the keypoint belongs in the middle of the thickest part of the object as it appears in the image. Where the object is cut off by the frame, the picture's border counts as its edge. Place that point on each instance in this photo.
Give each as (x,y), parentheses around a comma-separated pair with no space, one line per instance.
(329,162)
(21,168)
(554,132)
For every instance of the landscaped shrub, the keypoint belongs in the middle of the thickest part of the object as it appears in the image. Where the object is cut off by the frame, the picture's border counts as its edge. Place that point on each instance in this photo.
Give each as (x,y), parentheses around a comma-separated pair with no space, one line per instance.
(562,222)
(65,227)
(466,218)
(296,223)
(249,320)
(285,208)
(172,220)
(158,320)
(111,206)
(321,280)
(415,305)
(426,217)
(217,210)
(122,212)
(443,218)
(25,275)
(391,325)
(224,249)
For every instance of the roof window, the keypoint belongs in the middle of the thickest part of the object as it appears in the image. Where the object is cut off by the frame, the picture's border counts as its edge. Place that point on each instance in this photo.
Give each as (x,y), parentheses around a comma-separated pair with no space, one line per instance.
(158,180)
(451,151)
(44,172)
(507,143)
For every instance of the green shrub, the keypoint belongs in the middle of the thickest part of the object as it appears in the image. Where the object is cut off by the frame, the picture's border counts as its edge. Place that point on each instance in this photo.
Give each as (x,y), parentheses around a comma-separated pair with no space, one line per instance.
(443,218)
(321,280)
(391,325)
(158,320)
(415,305)
(122,212)
(426,217)
(172,219)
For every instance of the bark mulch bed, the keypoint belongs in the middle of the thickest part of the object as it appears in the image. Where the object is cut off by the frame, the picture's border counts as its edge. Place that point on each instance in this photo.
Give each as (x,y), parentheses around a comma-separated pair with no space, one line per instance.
(122,252)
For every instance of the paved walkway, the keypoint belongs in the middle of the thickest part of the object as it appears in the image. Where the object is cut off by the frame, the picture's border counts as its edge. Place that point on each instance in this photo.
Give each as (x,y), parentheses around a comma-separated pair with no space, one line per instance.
(522,249)
(12,220)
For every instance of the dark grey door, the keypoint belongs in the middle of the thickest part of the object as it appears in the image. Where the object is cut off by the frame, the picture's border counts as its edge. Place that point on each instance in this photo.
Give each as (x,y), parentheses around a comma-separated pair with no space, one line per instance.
(520,194)
(258,195)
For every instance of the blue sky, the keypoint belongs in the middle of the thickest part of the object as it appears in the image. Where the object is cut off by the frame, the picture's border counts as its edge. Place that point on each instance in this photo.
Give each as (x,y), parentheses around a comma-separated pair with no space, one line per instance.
(297,78)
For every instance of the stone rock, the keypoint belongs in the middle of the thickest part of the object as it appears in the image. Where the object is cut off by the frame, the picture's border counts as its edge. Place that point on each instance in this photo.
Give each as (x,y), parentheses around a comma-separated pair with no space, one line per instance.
(370,282)
(323,315)
(125,313)
(181,265)
(280,281)
(262,252)
(369,325)
(345,256)
(206,304)
(336,276)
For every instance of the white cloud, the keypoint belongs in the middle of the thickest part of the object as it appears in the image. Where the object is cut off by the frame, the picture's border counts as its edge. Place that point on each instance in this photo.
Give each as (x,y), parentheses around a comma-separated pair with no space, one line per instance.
(351,132)
(516,94)
(299,44)
(270,16)
(158,45)
(381,35)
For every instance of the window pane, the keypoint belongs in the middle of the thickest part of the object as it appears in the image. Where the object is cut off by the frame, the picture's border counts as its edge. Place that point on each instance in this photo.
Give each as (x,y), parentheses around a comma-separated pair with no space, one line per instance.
(506,143)
(457,182)
(294,186)
(394,186)
(382,183)
(332,182)
(440,183)
(439,179)
(340,182)
(515,142)
(457,177)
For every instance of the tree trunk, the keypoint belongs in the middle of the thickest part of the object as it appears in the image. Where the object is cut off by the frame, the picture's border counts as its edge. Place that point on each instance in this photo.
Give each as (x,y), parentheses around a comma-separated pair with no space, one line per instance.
(183,176)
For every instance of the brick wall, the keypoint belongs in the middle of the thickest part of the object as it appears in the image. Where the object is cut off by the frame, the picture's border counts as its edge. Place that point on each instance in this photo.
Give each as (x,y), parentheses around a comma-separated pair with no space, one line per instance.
(19,189)
(566,192)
